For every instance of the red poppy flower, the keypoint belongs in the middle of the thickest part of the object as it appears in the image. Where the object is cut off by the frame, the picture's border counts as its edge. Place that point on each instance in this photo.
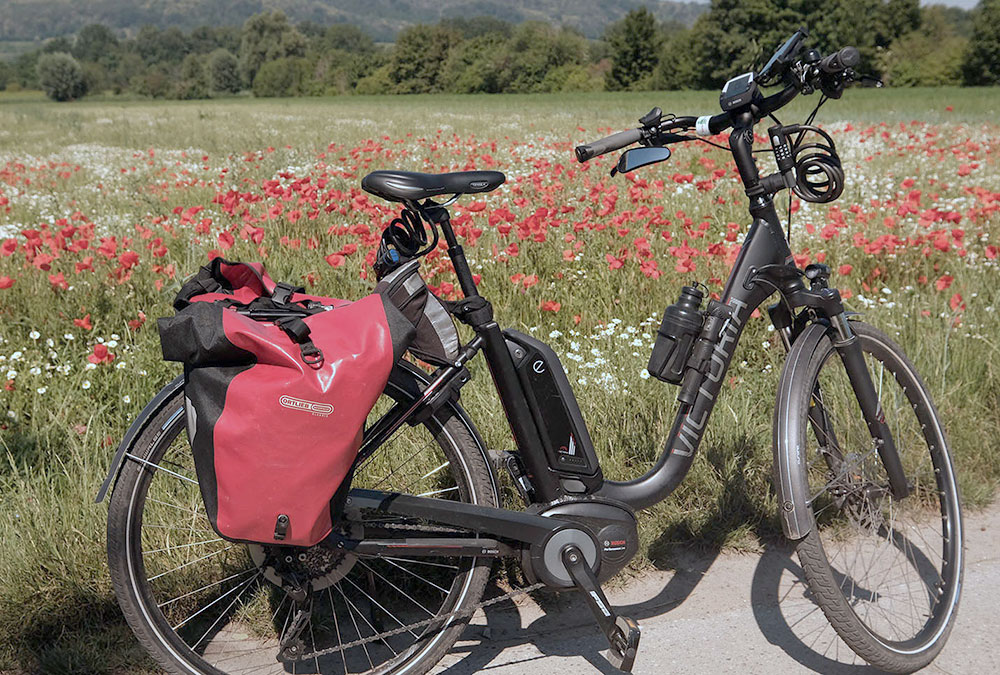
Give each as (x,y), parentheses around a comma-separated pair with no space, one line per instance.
(956,303)
(58,282)
(136,324)
(944,282)
(101,355)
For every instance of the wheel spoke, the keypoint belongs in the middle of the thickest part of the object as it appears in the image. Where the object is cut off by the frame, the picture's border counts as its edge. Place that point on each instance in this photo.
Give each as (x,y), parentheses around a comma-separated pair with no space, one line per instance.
(188,564)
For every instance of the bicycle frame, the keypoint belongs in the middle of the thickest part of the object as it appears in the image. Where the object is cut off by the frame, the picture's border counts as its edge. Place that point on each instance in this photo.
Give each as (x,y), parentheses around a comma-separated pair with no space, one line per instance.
(765,265)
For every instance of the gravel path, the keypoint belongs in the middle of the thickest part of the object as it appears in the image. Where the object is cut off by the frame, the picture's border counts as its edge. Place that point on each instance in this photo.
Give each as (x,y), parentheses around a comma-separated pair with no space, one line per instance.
(723,614)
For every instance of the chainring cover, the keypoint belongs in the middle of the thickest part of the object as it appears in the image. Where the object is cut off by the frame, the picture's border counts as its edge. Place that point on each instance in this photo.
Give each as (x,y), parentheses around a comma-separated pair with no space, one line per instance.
(611,525)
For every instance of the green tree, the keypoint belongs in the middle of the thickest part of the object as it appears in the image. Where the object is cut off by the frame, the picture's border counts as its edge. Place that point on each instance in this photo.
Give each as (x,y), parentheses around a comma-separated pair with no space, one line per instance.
(280,77)
(224,72)
(418,58)
(378,81)
(61,77)
(472,66)
(267,37)
(347,38)
(982,60)
(635,50)
(928,57)
(534,50)
(155,81)
(900,17)
(162,46)
(95,43)
(5,75)
(193,82)
(206,39)
(677,68)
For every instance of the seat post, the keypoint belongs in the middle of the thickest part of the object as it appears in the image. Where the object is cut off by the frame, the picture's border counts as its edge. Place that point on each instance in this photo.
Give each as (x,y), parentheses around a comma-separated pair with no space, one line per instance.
(457,255)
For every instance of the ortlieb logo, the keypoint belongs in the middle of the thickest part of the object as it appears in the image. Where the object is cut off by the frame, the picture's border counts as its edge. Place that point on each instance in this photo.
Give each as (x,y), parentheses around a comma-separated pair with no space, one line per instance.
(320,409)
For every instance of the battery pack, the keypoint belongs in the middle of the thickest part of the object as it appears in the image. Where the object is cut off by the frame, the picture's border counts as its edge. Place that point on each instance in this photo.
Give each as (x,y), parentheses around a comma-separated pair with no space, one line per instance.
(554,409)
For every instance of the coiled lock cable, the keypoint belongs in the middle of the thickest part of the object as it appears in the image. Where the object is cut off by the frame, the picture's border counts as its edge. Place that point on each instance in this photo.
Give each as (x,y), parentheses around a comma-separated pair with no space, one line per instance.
(404,239)
(818,171)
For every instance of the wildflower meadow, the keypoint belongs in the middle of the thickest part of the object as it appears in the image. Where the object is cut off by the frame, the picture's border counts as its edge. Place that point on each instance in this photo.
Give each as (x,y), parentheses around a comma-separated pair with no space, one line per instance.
(106,206)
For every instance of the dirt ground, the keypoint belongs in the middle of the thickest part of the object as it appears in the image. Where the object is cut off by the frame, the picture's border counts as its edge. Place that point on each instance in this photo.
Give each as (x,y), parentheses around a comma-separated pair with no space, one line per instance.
(727,614)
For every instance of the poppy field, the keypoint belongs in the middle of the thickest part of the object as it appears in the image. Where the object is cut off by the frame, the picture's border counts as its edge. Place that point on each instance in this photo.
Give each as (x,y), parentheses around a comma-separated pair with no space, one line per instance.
(106,207)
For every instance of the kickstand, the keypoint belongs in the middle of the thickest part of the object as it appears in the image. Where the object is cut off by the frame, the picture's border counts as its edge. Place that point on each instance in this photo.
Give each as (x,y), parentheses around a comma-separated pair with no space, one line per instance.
(622,632)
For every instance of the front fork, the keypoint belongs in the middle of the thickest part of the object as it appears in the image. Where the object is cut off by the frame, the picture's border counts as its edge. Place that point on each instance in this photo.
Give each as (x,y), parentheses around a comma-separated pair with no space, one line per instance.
(848,346)
(826,301)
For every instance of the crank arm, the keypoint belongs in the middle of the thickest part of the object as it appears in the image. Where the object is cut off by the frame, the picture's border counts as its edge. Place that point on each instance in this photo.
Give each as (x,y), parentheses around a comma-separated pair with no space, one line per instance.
(622,632)
(428,547)
(502,523)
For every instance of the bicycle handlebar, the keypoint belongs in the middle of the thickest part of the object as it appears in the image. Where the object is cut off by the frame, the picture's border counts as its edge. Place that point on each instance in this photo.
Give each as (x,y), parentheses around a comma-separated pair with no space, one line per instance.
(706,125)
(608,144)
(848,57)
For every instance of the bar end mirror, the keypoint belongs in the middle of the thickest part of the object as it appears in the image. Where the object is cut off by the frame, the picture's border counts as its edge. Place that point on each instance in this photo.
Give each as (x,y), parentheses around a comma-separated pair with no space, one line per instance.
(631,160)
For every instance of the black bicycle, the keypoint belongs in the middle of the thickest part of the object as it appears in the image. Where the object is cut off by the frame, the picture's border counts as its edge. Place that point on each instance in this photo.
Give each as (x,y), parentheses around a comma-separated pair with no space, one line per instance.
(863,474)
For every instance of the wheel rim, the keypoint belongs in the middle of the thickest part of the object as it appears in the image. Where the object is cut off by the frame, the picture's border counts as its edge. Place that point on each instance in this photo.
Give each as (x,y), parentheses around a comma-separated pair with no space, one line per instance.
(214,607)
(897,563)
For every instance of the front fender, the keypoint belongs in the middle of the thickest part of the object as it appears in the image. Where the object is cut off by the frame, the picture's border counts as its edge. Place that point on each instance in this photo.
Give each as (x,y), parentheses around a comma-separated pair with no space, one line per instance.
(790,470)
(137,427)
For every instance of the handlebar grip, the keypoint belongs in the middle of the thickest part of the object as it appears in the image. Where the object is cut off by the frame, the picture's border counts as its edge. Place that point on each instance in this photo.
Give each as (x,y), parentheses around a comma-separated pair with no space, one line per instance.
(608,144)
(848,57)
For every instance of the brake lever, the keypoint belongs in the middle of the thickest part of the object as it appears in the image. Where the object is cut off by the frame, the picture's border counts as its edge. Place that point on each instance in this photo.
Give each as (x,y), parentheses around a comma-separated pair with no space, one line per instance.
(869,81)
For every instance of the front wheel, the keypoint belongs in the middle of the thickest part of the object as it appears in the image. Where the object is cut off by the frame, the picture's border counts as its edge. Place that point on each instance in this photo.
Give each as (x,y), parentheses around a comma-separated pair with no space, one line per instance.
(887,573)
(200,604)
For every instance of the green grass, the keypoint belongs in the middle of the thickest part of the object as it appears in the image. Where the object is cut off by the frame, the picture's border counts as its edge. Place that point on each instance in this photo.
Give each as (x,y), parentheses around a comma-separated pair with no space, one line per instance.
(57,612)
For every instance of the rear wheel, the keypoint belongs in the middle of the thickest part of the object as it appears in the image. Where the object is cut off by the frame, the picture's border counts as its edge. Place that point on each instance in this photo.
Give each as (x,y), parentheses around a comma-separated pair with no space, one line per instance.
(886,572)
(202,604)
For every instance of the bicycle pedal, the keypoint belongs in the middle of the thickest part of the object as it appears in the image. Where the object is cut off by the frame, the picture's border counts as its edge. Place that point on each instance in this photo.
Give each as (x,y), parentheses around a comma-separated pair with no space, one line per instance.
(624,643)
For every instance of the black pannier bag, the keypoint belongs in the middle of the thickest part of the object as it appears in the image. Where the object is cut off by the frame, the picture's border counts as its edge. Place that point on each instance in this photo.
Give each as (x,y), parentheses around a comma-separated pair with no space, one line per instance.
(436,341)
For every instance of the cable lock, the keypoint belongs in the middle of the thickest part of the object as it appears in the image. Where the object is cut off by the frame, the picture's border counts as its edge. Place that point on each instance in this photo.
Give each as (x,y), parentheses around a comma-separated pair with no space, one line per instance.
(818,171)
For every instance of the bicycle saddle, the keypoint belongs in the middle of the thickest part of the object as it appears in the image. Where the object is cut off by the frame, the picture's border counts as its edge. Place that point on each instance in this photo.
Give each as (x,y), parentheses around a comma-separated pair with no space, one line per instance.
(398,186)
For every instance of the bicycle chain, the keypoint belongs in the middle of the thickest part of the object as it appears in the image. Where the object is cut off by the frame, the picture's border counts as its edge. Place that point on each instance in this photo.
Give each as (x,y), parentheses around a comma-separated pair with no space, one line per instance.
(426,622)
(417,528)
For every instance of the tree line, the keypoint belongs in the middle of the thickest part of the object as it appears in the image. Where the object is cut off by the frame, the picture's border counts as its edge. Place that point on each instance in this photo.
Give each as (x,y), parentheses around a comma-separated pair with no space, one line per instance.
(270,56)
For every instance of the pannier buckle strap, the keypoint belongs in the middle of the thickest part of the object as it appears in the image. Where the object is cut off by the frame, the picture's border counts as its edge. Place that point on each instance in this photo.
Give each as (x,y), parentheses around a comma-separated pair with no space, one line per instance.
(297,329)
(283,293)
(311,354)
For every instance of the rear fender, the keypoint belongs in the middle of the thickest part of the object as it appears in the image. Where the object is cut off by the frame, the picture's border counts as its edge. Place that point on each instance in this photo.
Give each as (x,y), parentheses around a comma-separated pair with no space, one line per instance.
(139,425)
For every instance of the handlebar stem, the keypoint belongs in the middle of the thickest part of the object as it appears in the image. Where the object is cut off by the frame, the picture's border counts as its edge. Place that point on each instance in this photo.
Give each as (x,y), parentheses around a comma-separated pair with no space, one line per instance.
(741,143)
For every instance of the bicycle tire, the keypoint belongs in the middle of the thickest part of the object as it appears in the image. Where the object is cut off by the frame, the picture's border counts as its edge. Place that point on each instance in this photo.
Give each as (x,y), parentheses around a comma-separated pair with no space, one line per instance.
(448,429)
(849,503)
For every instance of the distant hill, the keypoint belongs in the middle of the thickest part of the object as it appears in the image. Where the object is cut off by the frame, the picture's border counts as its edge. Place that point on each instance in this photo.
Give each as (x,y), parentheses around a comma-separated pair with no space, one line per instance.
(27,20)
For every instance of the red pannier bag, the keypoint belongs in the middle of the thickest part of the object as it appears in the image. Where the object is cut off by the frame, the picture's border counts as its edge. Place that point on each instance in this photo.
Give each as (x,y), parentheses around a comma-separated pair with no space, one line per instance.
(278,385)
